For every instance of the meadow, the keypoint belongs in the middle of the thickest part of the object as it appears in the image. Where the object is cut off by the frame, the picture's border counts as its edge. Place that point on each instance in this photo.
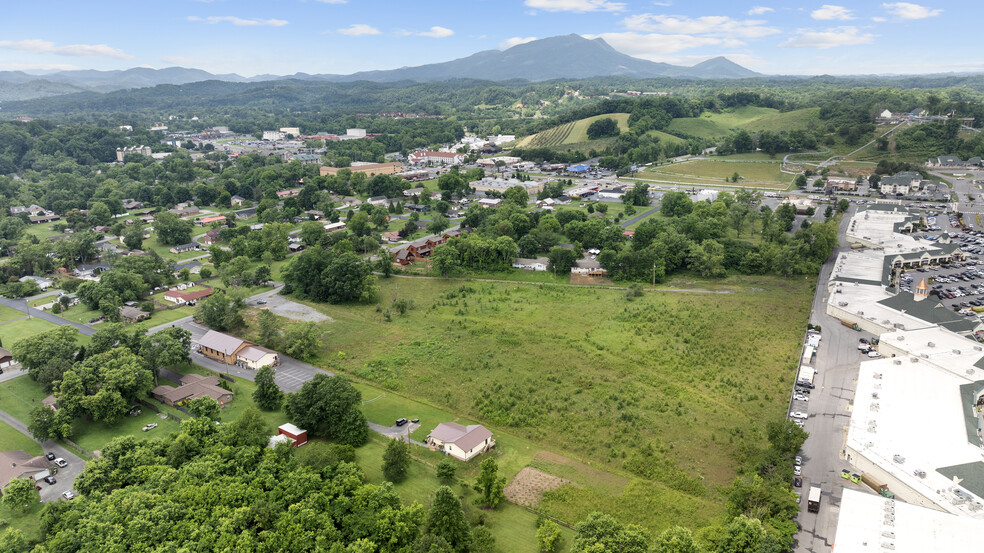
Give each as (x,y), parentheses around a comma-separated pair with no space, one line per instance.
(661,396)
(574,133)
(761,174)
(753,119)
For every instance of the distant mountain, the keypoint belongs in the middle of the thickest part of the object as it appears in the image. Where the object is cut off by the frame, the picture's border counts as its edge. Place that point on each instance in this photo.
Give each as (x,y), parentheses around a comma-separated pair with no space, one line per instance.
(559,57)
(36,88)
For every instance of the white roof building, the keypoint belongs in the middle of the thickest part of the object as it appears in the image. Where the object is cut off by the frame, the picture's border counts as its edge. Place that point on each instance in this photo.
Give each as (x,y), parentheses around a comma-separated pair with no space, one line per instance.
(872,524)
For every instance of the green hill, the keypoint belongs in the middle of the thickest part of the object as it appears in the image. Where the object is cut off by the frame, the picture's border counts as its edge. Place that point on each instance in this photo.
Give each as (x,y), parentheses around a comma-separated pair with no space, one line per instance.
(575,132)
(753,119)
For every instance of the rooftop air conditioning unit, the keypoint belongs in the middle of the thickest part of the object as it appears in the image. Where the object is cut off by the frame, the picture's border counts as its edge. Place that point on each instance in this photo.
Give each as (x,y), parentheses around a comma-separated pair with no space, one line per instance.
(899,459)
(898,361)
(956,352)
(900,338)
(931,344)
(888,535)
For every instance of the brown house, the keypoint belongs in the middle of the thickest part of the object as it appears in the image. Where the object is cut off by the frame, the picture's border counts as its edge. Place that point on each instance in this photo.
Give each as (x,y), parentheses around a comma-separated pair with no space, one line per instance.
(132,314)
(18,464)
(192,386)
(221,347)
(422,247)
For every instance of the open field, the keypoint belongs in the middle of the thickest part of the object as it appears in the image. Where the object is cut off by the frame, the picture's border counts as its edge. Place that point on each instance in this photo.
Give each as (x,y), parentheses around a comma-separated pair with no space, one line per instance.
(9,314)
(12,439)
(10,332)
(714,172)
(571,133)
(660,392)
(753,119)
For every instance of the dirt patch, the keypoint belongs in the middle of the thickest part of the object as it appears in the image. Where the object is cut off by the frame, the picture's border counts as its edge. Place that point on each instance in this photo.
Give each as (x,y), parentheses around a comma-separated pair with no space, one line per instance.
(589,279)
(528,486)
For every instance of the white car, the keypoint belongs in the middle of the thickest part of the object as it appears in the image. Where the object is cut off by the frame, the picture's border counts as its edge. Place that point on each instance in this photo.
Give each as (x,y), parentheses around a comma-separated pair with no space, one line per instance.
(801,397)
(873,354)
(68,495)
(61,462)
(798,470)
(798,415)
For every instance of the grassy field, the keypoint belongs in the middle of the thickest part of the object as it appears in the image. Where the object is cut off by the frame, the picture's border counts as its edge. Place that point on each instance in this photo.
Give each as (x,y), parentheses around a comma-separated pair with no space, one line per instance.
(25,521)
(9,313)
(716,125)
(11,439)
(658,392)
(573,133)
(714,172)
(12,331)
(19,395)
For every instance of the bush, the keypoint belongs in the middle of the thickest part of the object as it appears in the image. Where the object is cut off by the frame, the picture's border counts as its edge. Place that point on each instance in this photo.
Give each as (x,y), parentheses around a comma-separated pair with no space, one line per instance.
(548,536)
(602,128)
(446,470)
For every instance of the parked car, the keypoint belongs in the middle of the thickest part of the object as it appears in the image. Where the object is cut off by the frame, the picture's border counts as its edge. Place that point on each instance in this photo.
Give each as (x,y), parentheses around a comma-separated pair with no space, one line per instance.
(68,495)
(798,482)
(150,426)
(873,354)
(798,415)
(50,480)
(50,456)
(798,460)
(261,302)
(798,470)
(401,421)
(61,462)
(415,421)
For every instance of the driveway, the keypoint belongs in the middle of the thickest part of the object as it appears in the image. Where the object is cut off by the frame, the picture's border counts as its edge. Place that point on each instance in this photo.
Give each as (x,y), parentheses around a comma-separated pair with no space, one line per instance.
(397,432)
(285,307)
(66,476)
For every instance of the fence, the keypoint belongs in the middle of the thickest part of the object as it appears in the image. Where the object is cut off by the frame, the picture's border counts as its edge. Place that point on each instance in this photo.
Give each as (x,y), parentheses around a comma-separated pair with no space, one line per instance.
(155,409)
(78,447)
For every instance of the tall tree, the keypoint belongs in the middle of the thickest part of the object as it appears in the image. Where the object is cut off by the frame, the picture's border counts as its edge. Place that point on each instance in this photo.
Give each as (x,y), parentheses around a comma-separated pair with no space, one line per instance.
(268,395)
(20,494)
(489,484)
(268,335)
(329,406)
(396,460)
(204,407)
(446,520)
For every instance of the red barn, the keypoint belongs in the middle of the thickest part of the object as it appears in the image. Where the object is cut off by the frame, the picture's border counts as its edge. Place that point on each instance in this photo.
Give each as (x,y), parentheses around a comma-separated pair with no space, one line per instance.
(297,436)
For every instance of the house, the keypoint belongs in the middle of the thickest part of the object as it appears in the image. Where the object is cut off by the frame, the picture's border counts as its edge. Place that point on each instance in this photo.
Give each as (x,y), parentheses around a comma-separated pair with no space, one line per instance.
(369,169)
(100,229)
(289,193)
(411,192)
(183,248)
(378,200)
(802,205)
(147,219)
(181,298)
(294,435)
(211,237)
(185,211)
(294,248)
(43,283)
(419,208)
(439,158)
(193,267)
(588,266)
(351,202)
(332,227)
(123,152)
(461,442)
(391,236)
(44,219)
(237,200)
(132,204)
(256,357)
(51,402)
(534,264)
(6,358)
(247,213)
(89,270)
(18,464)
(132,314)
(615,193)
(193,386)
(106,247)
(209,220)
(422,247)
(490,202)
(306,159)
(235,351)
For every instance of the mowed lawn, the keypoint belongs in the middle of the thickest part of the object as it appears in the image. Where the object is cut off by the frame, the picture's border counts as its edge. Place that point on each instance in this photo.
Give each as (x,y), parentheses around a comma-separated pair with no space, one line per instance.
(666,387)
(9,313)
(708,171)
(716,125)
(12,331)
(13,439)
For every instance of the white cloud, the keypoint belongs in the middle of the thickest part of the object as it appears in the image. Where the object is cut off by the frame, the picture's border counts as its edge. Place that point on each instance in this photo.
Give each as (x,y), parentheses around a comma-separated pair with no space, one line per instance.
(437,32)
(359,29)
(663,4)
(239,21)
(78,50)
(653,46)
(333,1)
(906,10)
(828,12)
(577,6)
(515,41)
(829,38)
(879,19)
(711,24)
(760,10)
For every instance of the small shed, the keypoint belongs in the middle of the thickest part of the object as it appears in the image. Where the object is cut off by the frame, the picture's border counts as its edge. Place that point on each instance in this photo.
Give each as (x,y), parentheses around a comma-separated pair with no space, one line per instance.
(297,436)
(6,358)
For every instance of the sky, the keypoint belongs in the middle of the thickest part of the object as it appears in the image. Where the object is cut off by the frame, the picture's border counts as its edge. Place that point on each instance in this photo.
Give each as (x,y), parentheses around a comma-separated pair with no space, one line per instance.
(282,37)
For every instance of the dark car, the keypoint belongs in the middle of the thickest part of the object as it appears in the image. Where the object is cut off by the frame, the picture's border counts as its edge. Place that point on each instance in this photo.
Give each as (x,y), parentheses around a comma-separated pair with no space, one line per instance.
(50,480)
(415,421)
(401,421)
(50,456)
(798,482)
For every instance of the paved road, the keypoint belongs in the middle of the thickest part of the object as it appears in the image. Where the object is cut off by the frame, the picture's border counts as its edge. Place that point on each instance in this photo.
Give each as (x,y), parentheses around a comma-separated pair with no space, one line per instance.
(21,305)
(829,409)
(628,222)
(401,432)
(66,476)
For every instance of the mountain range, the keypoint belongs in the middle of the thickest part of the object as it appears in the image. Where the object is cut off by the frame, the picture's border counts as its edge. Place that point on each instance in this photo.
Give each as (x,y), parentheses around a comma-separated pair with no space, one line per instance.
(570,56)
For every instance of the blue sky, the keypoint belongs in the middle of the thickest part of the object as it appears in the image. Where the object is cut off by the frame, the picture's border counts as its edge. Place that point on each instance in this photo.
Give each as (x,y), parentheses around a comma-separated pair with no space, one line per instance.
(252,37)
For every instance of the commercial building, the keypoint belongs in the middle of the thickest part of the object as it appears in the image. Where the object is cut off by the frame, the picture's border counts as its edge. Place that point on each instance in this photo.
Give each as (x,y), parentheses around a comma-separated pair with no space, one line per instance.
(369,169)
(235,351)
(487,184)
(425,157)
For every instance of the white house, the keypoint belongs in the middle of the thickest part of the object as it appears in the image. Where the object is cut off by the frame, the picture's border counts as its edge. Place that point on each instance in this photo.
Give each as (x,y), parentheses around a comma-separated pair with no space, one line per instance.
(256,357)
(489,202)
(43,283)
(534,264)
(332,227)
(461,442)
